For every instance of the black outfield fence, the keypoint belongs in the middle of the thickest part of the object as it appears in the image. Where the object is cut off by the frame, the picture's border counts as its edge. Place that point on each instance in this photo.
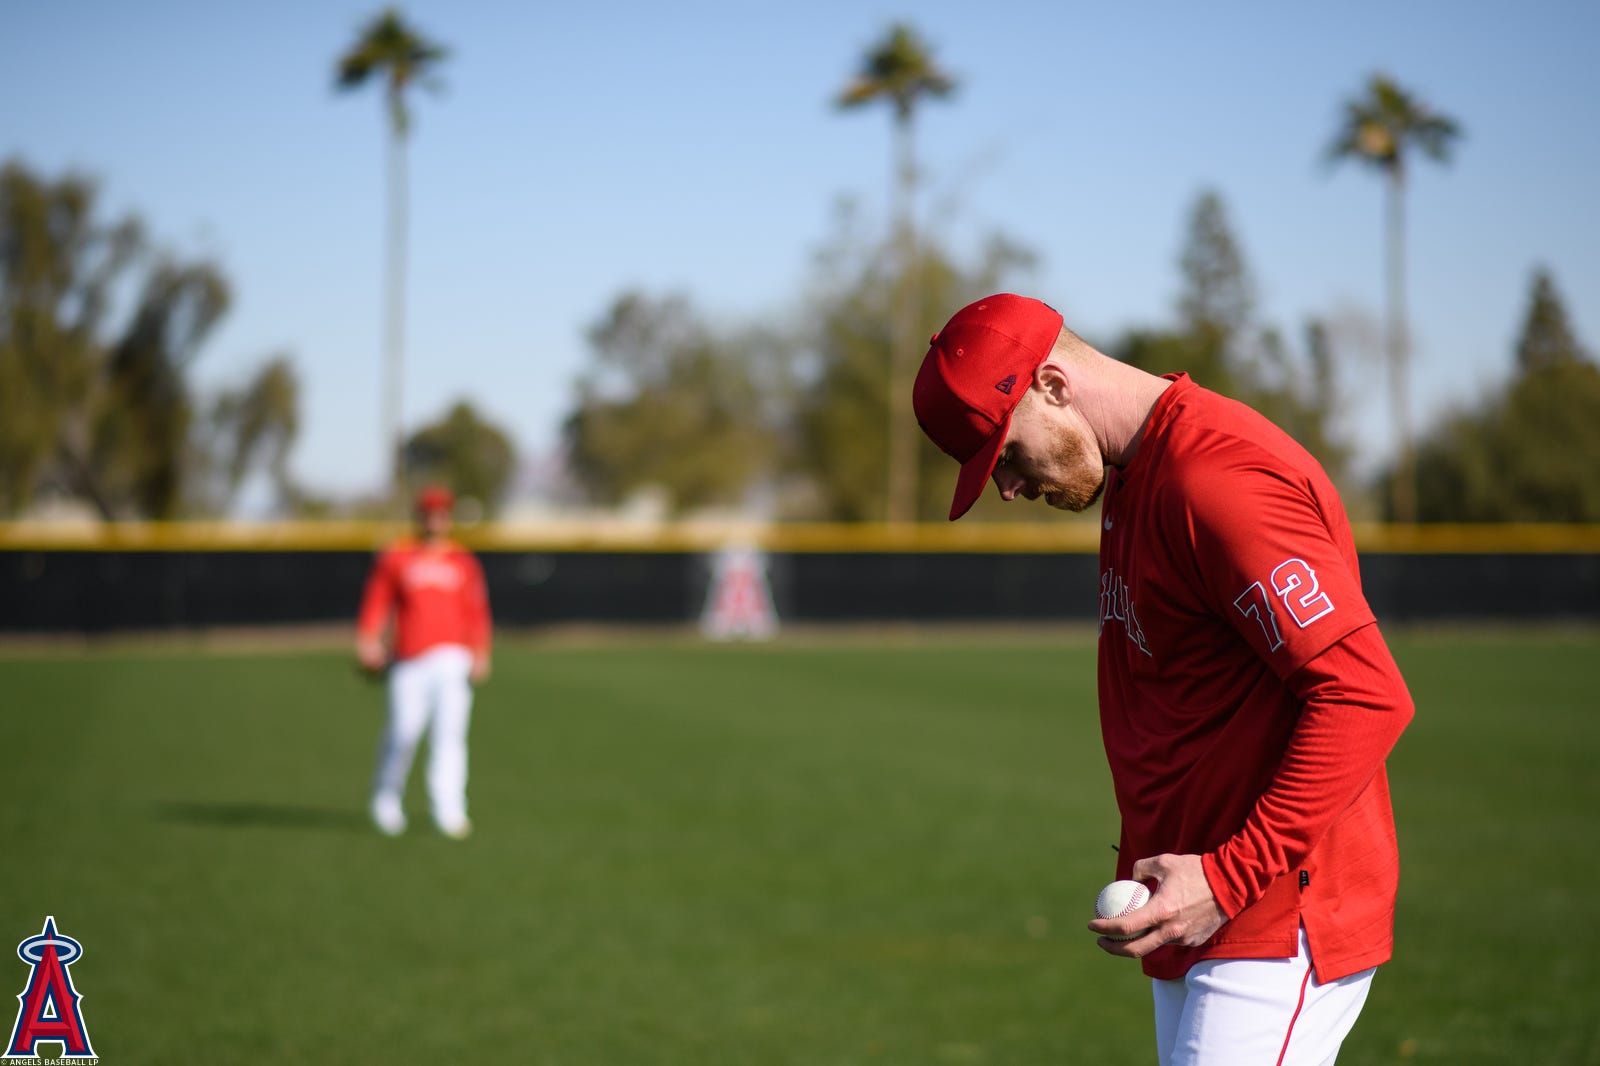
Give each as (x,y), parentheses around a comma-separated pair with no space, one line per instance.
(117,579)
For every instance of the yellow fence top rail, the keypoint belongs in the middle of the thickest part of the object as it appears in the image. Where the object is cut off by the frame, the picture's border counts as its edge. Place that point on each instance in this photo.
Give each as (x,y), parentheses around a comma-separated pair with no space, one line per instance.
(961,537)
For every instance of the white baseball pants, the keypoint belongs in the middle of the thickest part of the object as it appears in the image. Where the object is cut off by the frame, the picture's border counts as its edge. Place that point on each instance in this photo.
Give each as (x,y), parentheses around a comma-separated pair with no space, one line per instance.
(432,688)
(1243,1012)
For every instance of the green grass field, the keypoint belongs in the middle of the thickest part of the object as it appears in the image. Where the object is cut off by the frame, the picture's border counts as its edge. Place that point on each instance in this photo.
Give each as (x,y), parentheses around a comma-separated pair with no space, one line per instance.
(830,851)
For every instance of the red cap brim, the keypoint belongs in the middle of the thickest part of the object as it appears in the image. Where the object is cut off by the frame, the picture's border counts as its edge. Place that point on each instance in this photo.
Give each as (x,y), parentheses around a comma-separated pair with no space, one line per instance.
(975,472)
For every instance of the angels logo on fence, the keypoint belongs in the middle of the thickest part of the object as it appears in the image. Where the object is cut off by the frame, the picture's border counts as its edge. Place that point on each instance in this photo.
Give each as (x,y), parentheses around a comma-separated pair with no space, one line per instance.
(739,601)
(49,1011)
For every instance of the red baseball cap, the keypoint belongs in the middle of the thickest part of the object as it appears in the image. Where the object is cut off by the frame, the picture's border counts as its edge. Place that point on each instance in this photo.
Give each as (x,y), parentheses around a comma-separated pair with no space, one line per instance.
(435,498)
(975,373)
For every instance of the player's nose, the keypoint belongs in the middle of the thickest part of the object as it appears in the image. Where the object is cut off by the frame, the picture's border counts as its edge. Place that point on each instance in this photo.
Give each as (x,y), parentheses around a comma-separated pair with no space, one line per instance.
(1008,482)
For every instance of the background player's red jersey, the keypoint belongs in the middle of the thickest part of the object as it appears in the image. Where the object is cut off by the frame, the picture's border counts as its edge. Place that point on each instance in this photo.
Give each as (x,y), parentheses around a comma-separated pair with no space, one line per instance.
(435,594)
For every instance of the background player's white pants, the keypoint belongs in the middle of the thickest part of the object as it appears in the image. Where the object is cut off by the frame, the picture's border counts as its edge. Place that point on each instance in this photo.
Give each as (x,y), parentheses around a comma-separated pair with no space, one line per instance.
(1241,1012)
(433,687)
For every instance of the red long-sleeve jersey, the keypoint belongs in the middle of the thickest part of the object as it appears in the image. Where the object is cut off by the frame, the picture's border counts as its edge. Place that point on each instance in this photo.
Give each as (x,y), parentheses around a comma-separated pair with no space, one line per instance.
(1247,700)
(435,594)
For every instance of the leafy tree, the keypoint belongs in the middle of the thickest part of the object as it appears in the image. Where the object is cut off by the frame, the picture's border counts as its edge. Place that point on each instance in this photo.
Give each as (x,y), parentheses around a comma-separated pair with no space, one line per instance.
(838,437)
(1547,339)
(1526,456)
(248,430)
(58,269)
(142,436)
(1215,339)
(466,451)
(1299,394)
(1217,304)
(1527,453)
(389,49)
(671,403)
(1383,128)
(90,409)
(900,71)
(1221,345)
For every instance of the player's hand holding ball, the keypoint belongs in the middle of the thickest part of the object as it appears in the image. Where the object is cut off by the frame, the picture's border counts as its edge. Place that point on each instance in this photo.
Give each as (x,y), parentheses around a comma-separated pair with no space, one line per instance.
(1181,907)
(1118,900)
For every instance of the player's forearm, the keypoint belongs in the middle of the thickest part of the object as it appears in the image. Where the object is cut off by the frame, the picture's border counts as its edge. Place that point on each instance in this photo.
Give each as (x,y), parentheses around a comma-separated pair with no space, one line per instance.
(1354,708)
(377,603)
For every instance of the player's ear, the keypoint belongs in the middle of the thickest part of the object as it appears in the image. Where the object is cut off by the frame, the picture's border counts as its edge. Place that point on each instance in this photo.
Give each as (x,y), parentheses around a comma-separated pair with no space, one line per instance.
(1051,378)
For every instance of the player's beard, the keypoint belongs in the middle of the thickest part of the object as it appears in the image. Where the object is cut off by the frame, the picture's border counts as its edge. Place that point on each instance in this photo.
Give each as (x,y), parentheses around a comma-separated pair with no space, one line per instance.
(1082,480)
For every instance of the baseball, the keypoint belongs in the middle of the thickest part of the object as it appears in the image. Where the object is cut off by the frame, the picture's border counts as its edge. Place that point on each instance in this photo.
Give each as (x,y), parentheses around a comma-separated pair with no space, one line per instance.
(1120,898)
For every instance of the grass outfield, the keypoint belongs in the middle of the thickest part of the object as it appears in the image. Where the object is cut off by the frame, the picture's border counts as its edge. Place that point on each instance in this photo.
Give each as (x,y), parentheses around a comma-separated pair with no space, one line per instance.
(822,852)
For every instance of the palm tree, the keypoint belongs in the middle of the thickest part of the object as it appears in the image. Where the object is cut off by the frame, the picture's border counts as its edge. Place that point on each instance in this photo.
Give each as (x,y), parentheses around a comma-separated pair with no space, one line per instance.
(388,48)
(901,71)
(1382,128)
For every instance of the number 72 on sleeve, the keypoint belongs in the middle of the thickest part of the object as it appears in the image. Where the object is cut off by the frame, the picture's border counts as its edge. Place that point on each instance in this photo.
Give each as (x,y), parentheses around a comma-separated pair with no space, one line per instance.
(1295,584)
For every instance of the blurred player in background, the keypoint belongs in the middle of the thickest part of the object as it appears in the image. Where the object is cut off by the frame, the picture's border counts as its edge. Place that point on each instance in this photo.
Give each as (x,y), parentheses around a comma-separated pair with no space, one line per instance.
(425,616)
(1247,699)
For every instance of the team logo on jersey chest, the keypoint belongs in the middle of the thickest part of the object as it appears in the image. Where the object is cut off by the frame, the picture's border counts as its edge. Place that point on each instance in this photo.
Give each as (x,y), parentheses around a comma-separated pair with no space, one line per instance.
(1116,605)
(425,572)
(48,1010)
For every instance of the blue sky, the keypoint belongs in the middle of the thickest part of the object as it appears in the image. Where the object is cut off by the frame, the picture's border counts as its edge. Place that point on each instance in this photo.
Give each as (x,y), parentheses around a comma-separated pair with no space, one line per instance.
(579,150)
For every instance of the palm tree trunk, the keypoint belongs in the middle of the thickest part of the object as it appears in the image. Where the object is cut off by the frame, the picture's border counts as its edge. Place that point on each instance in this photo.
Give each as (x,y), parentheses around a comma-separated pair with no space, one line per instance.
(1403,486)
(394,325)
(902,442)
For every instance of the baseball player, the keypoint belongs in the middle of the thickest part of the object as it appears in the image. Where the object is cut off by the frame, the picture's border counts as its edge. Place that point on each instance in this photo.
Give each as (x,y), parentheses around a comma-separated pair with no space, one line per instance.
(427,594)
(1247,699)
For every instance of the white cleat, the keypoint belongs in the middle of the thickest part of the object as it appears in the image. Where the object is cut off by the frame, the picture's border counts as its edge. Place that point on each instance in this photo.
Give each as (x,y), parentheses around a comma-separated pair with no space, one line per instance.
(457,829)
(387,816)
